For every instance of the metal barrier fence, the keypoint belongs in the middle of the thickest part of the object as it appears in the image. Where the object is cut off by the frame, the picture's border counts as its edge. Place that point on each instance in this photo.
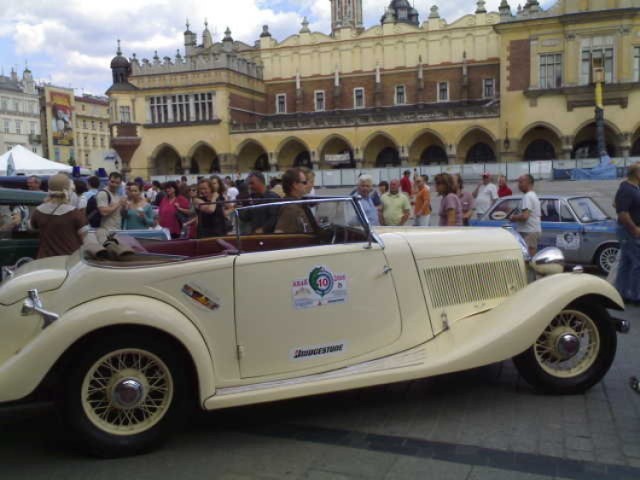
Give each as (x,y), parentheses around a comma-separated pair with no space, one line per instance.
(541,170)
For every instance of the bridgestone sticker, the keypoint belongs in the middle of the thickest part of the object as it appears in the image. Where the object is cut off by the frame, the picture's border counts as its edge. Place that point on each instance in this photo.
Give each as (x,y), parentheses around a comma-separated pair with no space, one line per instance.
(304,353)
(321,287)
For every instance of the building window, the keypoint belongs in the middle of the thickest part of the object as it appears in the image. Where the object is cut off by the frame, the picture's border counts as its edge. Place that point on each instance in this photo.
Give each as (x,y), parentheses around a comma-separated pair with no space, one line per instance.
(159,110)
(319,100)
(4,104)
(443,91)
(181,108)
(281,103)
(18,127)
(401,97)
(84,124)
(7,126)
(204,107)
(601,54)
(101,142)
(16,105)
(125,117)
(32,128)
(93,124)
(636,64)
(56,154)
(551,70)
(358,98)
(94,142)
(86,140)
(488,88)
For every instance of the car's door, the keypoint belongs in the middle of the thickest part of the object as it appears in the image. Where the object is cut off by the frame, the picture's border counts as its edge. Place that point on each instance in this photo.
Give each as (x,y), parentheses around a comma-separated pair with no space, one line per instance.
(314,306)
(560,228)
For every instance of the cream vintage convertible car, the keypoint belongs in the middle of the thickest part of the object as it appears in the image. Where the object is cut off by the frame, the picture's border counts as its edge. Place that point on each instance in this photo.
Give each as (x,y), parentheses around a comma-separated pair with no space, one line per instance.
(127,342)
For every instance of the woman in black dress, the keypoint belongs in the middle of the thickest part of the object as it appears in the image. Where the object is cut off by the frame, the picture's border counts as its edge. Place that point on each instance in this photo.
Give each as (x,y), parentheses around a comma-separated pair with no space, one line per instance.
(210,206)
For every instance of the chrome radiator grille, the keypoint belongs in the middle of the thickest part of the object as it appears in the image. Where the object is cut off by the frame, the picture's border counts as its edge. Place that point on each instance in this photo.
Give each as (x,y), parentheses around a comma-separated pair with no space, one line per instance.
(460,284)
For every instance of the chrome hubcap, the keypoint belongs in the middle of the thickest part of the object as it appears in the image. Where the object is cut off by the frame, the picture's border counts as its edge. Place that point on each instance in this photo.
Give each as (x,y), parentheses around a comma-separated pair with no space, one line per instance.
(127,393)
(567,346)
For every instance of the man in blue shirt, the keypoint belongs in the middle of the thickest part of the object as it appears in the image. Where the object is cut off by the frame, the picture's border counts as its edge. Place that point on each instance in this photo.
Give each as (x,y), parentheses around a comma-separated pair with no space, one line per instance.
(365,186)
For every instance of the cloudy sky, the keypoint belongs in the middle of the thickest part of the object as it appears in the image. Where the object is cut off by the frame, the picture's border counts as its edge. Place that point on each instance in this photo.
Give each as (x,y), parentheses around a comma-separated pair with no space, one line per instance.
(71,43)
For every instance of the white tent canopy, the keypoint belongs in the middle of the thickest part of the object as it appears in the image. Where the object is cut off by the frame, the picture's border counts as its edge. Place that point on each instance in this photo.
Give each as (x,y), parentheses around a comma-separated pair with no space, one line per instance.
(26,162)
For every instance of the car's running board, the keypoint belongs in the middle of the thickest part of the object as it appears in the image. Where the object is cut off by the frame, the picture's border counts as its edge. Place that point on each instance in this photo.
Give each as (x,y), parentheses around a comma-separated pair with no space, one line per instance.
(404,359)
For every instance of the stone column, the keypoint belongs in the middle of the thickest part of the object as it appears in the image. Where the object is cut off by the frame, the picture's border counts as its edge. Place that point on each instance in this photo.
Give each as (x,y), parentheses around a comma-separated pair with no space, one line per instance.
(273,162)
(315,160)
(185,165)
(567,148)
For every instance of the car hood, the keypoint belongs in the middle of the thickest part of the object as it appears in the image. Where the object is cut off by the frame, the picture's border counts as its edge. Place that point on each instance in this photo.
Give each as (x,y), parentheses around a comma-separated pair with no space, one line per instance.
(451,241)
(45,275)
(604,226)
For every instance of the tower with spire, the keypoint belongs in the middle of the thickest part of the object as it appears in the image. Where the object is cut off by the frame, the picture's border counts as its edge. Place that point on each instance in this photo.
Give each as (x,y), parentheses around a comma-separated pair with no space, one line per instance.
(346,14)
(401,11)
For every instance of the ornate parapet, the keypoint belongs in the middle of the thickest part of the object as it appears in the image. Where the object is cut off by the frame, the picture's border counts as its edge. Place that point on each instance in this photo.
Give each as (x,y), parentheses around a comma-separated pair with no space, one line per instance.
(372,116)
(210,61)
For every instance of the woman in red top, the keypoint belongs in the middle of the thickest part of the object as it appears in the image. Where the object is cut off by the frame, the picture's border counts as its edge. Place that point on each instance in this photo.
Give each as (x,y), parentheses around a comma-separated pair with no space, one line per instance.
(503,188)
(170,205)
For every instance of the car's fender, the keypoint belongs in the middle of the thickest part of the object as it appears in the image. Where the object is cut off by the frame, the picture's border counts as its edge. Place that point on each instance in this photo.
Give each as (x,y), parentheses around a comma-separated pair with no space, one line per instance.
(21,374)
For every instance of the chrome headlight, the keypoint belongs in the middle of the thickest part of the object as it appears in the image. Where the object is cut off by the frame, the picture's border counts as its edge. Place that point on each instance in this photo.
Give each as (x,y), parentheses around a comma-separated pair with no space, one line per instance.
(521,242)
(548,261)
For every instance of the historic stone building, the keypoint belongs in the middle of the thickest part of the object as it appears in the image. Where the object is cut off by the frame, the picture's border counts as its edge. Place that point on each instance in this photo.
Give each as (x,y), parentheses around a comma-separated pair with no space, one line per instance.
(19,112)
(404,92)
(92,132)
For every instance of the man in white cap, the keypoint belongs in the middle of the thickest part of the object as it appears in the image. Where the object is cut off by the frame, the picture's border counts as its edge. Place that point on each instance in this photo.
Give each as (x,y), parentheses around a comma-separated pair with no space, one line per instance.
(485,194)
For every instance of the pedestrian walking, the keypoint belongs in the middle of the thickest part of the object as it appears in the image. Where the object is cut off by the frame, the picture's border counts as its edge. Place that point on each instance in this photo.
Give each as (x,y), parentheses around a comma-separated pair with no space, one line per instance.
(503,187)
(94,186)
(260,220)
(627,203)
(527,216)
(174,210)
(485,194)
(395,205)
(137,214)
(365,187)
(405,183)
(211,208)
(62,227)
(109,204)
(422,202)
(450,206)
(466,199)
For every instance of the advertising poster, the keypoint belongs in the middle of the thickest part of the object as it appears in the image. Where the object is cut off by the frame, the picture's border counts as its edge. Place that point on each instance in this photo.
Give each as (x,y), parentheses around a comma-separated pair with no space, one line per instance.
(61,119)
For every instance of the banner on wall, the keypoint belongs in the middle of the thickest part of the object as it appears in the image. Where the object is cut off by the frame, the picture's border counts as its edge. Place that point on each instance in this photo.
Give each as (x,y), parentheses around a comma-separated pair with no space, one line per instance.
(62,119)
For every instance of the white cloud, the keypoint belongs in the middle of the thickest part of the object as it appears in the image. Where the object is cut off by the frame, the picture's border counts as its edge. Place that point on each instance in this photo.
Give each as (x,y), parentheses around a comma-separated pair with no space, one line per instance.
(73,43)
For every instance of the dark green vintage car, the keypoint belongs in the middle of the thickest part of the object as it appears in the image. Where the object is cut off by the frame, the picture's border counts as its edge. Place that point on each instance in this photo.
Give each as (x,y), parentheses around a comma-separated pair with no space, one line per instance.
(19,244)
(16,241)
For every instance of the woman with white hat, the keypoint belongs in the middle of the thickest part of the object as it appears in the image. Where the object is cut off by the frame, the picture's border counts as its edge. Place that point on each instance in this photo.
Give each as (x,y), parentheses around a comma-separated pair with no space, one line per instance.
(62,226)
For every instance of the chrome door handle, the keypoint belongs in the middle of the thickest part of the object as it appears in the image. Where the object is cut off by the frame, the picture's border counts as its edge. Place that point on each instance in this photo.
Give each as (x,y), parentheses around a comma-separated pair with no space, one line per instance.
(387,269)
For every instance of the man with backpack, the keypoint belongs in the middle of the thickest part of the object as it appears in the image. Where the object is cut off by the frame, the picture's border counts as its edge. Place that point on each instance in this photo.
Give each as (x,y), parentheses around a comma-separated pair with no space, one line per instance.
(103,209)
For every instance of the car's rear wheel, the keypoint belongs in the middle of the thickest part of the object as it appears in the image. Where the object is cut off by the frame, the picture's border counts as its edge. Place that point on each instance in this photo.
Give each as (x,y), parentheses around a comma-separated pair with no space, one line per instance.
(125,394)
(606,256)
(573,353)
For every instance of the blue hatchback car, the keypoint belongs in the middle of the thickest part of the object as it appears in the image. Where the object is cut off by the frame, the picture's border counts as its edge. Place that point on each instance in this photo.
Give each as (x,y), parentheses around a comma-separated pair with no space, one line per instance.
(577,225)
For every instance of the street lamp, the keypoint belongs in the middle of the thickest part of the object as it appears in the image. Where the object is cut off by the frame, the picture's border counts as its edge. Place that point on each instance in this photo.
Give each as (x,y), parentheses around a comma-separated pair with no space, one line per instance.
(598,78)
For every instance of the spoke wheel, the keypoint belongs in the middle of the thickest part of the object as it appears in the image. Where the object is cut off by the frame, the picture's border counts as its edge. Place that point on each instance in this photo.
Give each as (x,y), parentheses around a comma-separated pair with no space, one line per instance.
(606,257)
(127,391)
(574,351)
(550,351)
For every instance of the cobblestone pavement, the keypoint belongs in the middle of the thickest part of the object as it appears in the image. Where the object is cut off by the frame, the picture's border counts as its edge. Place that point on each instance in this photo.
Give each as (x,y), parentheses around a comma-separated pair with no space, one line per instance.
(476,425)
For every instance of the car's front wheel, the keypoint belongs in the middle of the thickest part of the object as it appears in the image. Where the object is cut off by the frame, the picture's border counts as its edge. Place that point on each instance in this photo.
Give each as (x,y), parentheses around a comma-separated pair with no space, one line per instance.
(573,353)
(124,394)
(606,256)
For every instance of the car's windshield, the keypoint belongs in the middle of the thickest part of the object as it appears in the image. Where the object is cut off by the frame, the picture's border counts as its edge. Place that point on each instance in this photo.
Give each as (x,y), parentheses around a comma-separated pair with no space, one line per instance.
(587,210)
(337,213)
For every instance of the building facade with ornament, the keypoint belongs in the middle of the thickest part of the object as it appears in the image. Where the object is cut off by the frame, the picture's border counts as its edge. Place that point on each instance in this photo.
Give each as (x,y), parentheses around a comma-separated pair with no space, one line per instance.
(19,112)
(483,88)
